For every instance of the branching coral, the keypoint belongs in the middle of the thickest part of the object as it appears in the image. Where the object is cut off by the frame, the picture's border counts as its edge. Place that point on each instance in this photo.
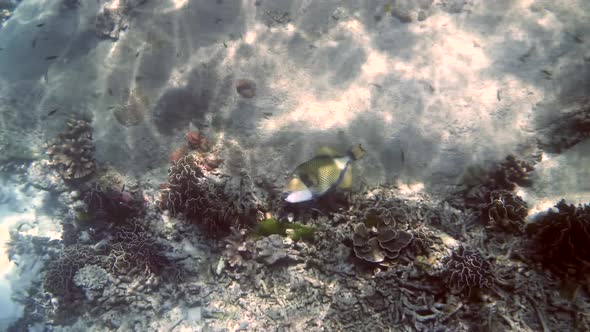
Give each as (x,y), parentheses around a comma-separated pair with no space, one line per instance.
(466,269)
(192,192)
(562,238)
(71,153)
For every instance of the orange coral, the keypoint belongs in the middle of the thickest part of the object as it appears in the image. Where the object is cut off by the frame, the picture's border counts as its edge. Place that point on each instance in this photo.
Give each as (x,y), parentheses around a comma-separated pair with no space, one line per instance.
(178,153)
(197,141)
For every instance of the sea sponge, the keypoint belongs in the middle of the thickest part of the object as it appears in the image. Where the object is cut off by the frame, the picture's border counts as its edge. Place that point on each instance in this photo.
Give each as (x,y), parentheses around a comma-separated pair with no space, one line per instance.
(71,152)
(466,269)
(561,238)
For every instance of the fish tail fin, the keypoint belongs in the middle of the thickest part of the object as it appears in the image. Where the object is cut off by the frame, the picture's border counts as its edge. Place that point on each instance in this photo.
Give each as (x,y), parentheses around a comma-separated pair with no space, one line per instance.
(357,152)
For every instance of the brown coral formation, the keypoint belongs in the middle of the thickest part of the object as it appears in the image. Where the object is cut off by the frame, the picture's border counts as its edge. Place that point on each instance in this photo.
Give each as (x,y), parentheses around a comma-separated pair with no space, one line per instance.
(506,211)
(71,153)
(191,192)
(561,238)
(386,245)
(466,269)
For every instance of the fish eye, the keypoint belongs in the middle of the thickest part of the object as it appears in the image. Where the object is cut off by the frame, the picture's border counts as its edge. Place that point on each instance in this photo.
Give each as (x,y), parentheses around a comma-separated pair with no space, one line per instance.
(285,194)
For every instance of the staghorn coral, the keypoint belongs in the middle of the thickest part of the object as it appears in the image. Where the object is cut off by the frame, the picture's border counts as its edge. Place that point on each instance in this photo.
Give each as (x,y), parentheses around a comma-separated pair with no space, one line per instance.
(562,237)
(71,153)
(466,269)
(193,192)
(506,211)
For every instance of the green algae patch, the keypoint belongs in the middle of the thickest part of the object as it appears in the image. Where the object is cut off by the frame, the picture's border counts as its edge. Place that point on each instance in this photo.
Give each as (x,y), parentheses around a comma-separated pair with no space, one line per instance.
(295,231)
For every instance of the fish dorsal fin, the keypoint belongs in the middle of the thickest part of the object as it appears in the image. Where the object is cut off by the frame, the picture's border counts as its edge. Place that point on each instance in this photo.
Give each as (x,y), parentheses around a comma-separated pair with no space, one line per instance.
(325,151)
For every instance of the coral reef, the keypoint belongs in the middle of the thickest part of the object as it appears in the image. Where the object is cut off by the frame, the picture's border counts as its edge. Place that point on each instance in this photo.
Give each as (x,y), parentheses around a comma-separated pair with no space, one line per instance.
(562,237)
(466,269)
(194,192)
(197,141)
(116,205)
(506,211)
(71,153)
(134,250)
(92,279)
(506,175)
(377,245)
(60,272)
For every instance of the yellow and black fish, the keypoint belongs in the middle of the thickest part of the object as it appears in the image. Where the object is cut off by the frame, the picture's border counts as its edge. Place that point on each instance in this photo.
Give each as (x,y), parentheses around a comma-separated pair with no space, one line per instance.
(321,174)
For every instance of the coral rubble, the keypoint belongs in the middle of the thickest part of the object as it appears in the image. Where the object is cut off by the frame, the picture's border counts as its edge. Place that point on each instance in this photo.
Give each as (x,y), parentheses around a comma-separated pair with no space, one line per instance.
(71,153)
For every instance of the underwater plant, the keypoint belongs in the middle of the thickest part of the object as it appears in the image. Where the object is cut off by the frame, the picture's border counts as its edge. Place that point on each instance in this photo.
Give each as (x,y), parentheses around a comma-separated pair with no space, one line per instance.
(561,238)
(71,152)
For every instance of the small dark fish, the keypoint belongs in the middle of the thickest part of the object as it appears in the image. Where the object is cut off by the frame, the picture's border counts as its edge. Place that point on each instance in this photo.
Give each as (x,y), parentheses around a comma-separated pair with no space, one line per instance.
(498,96)
(403,156)
(34,43)
(110,92)
(53,111)
(267,115)
(51,57)
(136,54)
(40,25)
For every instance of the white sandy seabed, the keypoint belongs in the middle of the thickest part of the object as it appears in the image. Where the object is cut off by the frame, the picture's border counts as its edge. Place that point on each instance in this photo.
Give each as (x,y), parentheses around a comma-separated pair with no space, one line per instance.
(462,82)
